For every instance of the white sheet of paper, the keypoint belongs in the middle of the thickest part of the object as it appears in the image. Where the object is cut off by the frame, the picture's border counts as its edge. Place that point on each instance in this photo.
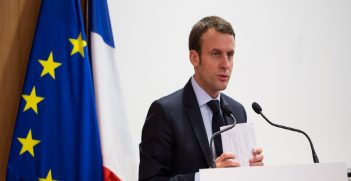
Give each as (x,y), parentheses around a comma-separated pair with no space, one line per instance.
(241,141)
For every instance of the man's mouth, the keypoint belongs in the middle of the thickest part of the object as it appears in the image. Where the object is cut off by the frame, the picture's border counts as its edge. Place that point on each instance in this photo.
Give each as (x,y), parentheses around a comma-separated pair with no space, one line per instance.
(223,77)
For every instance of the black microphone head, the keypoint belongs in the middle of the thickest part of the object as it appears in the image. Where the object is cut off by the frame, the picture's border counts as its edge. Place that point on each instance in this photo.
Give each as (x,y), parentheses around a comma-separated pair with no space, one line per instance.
(226,110)
(256,107)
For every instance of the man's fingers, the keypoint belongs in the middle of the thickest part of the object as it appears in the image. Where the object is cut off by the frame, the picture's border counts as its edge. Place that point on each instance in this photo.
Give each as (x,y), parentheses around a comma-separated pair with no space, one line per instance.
(256,158)
(257,151)
(227,163)
(256,164)
(231,163)
(227,159)
(225,156)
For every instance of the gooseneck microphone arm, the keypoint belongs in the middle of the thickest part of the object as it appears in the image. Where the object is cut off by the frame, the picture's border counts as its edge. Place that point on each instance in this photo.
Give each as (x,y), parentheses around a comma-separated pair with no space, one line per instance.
(229,113)
(257,108)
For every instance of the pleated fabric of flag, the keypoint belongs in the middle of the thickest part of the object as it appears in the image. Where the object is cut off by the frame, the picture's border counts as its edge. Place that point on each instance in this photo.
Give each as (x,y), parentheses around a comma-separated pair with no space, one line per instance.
(118,150)
(56,136)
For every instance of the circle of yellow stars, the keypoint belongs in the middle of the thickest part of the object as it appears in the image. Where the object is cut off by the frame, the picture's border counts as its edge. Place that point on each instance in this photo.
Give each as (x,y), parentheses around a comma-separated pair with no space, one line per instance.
(32,100)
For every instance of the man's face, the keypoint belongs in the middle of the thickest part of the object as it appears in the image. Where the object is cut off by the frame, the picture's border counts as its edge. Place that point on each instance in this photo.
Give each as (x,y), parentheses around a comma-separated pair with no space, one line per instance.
(214,65)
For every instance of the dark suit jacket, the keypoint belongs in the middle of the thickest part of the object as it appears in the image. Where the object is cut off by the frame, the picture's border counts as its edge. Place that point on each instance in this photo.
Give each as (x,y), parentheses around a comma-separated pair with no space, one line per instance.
(174,143)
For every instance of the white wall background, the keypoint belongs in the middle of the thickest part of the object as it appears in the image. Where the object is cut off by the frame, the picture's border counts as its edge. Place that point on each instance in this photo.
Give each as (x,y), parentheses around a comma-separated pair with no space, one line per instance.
(292,56)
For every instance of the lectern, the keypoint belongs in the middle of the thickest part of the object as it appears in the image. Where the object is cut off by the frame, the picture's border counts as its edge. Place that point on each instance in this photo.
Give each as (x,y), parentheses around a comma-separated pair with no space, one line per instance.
(303,172)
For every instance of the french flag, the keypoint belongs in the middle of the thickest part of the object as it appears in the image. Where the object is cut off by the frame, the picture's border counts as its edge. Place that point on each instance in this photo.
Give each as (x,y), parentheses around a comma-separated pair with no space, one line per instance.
(119,158)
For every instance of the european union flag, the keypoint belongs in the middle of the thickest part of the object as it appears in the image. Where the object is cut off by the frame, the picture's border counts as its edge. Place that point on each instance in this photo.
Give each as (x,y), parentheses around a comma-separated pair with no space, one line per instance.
(56,135)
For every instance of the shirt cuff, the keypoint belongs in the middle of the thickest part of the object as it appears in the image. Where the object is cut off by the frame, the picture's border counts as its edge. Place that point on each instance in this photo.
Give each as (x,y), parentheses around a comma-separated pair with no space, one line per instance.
(197,177)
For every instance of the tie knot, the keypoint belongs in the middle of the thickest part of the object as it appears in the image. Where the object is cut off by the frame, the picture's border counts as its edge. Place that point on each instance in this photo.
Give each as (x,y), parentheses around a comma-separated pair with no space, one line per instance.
(214,105)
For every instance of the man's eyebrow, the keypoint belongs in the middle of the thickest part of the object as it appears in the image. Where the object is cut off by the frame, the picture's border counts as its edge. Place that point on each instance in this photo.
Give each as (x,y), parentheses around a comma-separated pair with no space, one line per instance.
(216,49)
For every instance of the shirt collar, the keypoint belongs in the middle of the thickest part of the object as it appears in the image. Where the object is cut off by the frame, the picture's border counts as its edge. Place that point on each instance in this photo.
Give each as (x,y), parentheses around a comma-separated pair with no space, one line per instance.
(201,95)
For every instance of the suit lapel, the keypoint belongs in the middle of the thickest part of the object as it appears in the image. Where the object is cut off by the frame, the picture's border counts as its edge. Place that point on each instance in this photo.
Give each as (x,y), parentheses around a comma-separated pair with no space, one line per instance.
(196,121)
(228,120)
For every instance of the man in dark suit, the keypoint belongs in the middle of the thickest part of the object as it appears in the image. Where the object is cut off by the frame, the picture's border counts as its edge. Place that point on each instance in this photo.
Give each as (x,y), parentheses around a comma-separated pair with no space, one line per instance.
(178,127)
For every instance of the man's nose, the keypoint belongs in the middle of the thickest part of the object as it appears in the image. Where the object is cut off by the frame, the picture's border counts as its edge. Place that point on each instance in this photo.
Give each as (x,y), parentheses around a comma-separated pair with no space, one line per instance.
(225,61)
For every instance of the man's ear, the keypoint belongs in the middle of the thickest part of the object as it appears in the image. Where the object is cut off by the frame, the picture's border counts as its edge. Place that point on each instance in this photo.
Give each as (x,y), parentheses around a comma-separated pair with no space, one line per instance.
(194,58)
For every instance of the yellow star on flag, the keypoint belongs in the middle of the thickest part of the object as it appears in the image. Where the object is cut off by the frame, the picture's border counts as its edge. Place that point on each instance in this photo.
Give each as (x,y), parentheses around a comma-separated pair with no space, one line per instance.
(78,45)
(28,143)
(32,101)
(49,66)
(48,177)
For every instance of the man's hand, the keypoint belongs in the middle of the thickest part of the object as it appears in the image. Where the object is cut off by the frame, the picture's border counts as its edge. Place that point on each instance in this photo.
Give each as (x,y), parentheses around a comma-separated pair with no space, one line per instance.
(227,160)
(257,159)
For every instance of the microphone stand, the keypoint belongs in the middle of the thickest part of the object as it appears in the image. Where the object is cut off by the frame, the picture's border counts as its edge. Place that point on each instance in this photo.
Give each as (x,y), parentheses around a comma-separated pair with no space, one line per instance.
(257,108)
(314,155)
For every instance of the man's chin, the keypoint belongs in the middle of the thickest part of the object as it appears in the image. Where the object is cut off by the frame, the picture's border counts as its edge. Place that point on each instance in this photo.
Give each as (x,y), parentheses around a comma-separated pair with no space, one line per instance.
(222,87)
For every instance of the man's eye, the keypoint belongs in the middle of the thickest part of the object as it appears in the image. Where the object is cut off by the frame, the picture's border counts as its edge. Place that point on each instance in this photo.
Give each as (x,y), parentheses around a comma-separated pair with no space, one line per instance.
(230,55)
(215,54)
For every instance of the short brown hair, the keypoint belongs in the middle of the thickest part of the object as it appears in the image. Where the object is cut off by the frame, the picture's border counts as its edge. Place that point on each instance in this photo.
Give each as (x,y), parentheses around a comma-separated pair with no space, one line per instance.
(201,27)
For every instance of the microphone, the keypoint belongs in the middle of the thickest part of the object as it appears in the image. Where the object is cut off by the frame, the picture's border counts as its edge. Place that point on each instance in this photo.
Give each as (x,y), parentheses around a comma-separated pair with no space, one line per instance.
(229,113)
(257,108)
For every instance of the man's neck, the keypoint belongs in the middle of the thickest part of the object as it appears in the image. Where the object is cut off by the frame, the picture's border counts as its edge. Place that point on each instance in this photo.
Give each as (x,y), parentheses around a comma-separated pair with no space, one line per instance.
(212,94)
